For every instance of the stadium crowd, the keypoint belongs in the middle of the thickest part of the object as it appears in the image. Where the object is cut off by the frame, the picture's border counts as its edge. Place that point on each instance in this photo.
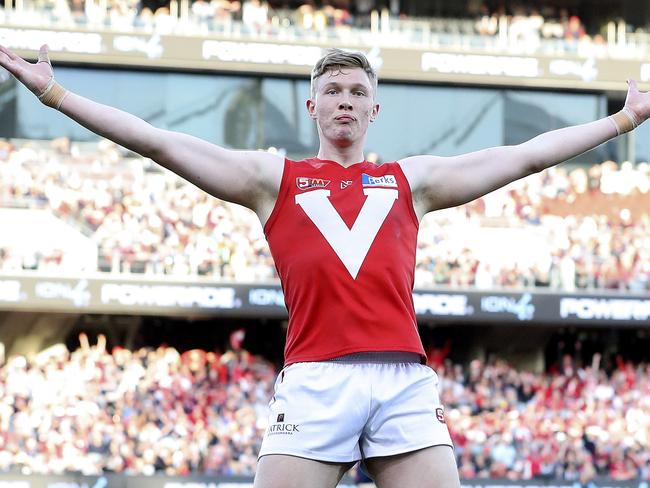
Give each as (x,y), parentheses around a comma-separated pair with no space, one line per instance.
(134,412)
(575,423)
(566,229)
(519,25)
(154,411)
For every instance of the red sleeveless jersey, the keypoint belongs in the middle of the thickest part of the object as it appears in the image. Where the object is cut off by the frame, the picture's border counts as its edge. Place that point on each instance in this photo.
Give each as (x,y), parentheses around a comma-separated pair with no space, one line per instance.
(343,241)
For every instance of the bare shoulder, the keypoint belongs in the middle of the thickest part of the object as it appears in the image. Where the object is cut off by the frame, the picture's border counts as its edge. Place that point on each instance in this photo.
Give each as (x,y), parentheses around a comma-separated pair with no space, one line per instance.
(417,168)
(268,165)
(269,169)
(242,177)
(426,175)
(441,182)
(420,171)
(248,178)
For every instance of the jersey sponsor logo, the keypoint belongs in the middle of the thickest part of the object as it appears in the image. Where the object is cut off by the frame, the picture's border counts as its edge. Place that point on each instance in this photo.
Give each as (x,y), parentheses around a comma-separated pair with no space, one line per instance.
(350,245)
(370,181)
(305,183)
(345,184)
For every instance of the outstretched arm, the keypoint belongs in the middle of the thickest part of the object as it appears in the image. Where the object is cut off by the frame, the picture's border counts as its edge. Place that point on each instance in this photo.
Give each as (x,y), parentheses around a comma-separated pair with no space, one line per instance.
(441,182)
(250,178)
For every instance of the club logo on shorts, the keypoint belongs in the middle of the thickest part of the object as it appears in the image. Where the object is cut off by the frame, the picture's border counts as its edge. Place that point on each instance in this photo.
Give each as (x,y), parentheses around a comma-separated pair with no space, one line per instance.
(305,183)
(280,417)
(440,415)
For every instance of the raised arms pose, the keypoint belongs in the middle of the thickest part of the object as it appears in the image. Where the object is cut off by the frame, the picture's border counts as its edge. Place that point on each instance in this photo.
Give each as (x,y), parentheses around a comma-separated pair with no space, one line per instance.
(343,234)
(252,178)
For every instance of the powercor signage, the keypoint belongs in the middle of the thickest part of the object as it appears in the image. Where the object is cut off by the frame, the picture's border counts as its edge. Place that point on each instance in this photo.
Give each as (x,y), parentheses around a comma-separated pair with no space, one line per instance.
(226,54)
(57,41)
(132,294)
(605,308)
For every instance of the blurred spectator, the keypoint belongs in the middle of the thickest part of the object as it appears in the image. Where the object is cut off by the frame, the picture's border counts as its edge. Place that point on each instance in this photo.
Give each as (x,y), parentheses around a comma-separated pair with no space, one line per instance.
(255,15)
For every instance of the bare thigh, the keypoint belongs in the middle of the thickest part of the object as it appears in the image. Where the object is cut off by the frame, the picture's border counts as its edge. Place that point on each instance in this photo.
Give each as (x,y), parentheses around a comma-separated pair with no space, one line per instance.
(426,468)
(282,471)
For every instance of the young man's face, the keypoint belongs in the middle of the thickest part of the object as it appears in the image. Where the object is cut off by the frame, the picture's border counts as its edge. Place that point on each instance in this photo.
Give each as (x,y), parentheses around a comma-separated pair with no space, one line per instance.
(343,105)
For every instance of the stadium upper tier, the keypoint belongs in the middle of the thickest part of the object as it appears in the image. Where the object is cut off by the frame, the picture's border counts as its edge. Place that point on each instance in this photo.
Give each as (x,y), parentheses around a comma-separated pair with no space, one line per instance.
(580,228)
(524,30)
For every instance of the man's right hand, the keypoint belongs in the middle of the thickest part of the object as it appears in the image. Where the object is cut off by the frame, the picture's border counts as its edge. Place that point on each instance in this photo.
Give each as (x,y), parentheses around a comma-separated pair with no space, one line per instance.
(35,76)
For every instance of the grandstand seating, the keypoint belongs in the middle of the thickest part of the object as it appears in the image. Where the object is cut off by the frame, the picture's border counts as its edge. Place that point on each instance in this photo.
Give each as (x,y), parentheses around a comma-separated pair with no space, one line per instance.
(159,411)
(587,229)
(521,30)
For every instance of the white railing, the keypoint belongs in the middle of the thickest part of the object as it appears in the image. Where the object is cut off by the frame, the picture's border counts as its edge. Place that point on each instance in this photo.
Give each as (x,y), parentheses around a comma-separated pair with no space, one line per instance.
(382,30)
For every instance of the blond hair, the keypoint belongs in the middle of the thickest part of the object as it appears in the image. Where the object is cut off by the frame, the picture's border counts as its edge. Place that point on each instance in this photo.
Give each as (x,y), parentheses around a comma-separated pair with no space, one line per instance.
(337,59)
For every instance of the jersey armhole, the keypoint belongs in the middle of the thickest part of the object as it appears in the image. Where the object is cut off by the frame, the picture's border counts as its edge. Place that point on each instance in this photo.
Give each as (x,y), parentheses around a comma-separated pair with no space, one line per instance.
(411,206)
(279,199)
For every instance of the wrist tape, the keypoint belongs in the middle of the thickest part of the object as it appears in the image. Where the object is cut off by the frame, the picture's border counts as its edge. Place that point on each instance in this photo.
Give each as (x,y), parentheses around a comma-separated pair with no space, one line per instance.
(624,121)
(53,94)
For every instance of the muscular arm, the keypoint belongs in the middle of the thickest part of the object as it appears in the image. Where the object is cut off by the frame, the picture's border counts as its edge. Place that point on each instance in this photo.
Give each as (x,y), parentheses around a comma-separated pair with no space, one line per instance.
(249,178)
(441,182)
(245,177)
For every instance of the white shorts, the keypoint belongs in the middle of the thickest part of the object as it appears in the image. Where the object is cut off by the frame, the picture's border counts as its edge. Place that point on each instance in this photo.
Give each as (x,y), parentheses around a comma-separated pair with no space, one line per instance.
(344,410)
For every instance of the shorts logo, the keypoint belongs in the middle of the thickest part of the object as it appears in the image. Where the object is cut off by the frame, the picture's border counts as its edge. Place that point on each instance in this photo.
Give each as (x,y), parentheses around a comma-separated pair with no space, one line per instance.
(440,415)
(371,181)
(282,429)
(305,183)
